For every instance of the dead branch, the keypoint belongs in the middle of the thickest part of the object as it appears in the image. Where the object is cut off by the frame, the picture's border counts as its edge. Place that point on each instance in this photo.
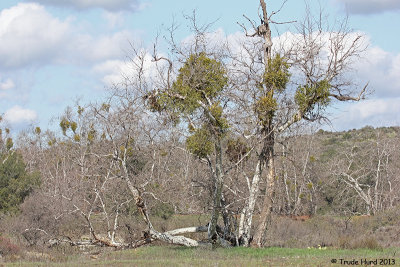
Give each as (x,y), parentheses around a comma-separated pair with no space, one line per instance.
(360,96)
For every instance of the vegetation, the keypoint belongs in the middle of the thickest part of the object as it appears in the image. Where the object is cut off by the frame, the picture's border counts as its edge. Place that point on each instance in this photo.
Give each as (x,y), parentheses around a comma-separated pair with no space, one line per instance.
(177,256)
(212,149)
(15,182)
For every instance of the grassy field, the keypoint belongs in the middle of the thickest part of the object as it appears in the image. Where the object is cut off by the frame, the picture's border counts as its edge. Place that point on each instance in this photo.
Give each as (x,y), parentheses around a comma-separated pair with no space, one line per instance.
(178,256)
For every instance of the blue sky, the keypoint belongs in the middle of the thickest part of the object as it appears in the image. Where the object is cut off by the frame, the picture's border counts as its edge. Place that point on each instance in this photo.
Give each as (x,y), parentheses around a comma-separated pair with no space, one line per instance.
(53,52)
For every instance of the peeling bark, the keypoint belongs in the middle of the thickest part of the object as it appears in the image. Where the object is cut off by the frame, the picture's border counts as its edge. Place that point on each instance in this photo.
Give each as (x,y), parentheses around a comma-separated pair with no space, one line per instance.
(267,203)
(217,197)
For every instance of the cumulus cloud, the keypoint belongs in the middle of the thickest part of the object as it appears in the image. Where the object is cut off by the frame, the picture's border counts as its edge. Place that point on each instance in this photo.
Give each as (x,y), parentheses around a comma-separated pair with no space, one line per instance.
(91,49)
(370,6)
(19,115)
(374,65)
(375,112)
(113,72)
(29,34)
(110,5)
(5,87)
(381,69)
(378,67)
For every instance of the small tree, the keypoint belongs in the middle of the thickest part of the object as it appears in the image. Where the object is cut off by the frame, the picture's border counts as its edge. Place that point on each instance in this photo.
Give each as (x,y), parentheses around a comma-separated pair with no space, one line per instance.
(195,97)
(15,182)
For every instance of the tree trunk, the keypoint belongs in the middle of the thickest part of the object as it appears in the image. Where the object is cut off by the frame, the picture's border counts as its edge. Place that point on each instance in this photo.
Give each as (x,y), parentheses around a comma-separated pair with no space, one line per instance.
(246,219)
(152,233)
(218,183)
(267,203)
(266,154)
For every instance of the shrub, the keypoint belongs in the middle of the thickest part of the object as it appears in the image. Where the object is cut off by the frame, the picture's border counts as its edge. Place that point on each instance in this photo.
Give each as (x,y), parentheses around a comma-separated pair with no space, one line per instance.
(344,242)
(15,182)
(367,242)
(7,248)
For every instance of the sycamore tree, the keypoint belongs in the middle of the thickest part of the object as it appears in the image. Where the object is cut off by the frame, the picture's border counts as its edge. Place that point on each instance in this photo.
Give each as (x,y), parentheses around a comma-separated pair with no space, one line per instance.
(293,83)
(196,97)
(257,91)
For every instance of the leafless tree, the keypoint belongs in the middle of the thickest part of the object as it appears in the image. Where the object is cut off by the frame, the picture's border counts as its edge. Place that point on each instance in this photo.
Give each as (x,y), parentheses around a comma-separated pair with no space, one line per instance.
(319,59)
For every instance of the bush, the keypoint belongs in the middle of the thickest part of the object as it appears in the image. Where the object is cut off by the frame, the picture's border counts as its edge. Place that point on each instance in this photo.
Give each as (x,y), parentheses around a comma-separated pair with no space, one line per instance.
(367,242)
(7,248)
(348,242)
(15,183)
(344,242)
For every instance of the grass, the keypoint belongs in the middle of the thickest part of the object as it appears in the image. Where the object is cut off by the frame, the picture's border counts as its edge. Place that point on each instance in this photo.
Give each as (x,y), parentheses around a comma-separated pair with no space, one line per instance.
(179,256)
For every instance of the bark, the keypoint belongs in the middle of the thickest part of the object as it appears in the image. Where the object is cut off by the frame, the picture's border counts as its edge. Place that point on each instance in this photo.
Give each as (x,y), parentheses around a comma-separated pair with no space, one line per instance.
(218,183)
(270,137)
(169,237)
(267,203)
(228,224)
(265,31)
(246,219)
(194,229)
(177,240)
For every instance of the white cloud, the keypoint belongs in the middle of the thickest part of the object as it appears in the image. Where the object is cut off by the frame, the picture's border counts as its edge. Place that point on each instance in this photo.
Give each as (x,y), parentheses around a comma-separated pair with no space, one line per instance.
(381,69)
(6,84)
(113,72)
(5,87)
(114,19)
(375,112)
(370,6)
(29,34)
(19,115)
(110,5)
(375,66)
(89,49)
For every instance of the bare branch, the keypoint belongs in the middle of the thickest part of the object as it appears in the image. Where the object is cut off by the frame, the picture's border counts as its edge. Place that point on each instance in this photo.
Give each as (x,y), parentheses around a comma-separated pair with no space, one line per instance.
(360,96)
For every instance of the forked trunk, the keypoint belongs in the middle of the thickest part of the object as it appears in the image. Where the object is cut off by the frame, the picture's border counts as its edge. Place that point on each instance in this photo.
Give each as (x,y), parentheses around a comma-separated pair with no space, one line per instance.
(246,218)
(266,155)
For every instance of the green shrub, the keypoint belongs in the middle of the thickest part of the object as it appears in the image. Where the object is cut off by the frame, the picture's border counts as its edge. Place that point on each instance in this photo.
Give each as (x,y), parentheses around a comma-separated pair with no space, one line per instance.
(15,182)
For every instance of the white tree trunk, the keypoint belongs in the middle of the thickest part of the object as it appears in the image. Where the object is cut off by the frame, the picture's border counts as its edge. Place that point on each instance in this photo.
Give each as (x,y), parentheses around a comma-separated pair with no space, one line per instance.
(246,218)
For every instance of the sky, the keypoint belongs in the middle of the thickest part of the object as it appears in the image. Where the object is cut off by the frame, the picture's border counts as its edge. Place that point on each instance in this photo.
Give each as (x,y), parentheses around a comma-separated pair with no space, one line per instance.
(55,52)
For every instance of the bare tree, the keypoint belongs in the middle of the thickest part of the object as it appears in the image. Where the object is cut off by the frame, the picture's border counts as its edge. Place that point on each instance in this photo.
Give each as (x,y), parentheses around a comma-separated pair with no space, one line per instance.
(320,60)
(365,169)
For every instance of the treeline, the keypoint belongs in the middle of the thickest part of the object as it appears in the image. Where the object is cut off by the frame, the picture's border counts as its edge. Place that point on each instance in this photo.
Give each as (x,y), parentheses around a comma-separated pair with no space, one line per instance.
(352,172)
(81,190)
